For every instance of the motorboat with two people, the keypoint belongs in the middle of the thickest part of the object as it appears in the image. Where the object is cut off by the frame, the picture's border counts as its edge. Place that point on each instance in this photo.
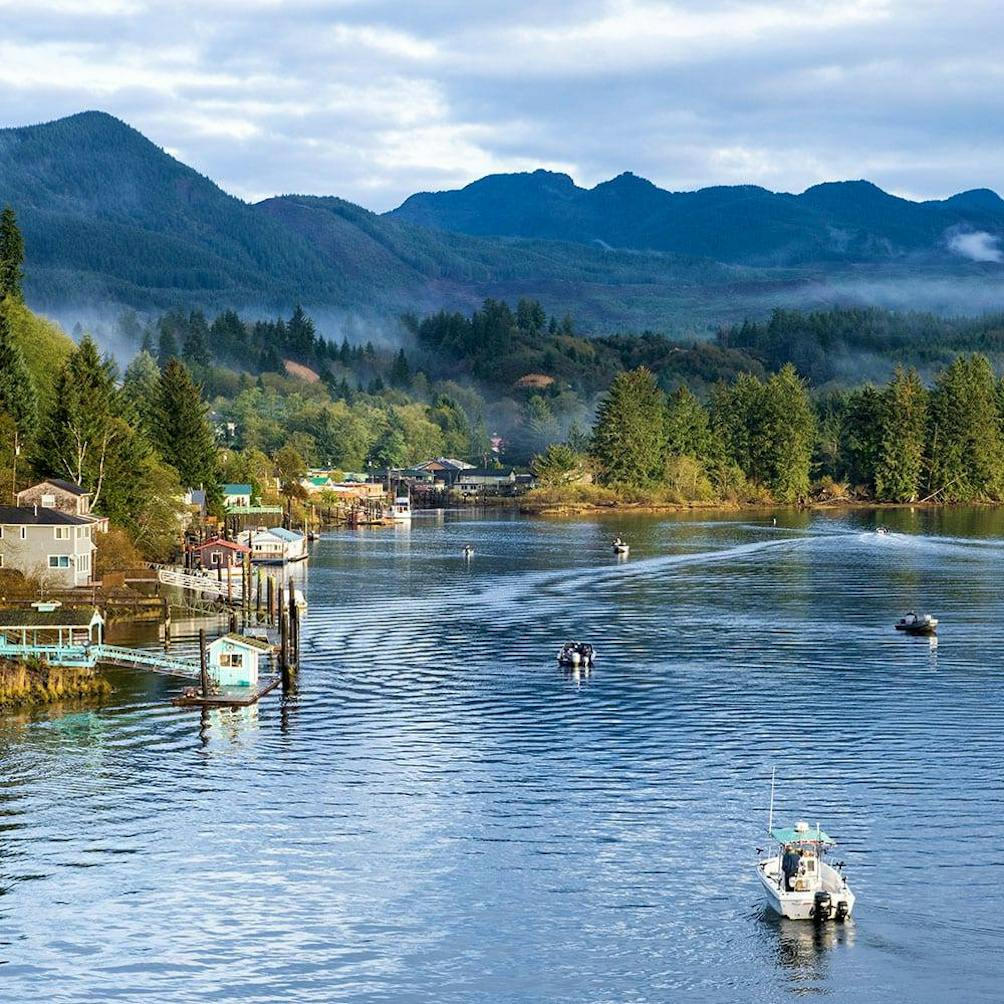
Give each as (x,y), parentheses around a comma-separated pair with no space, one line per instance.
(575,654)
(797,883)
(922,624)
(468,552)
(620,547)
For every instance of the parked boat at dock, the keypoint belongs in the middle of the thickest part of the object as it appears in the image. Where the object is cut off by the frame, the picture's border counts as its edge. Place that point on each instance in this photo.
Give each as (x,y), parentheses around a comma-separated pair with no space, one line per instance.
(400,509)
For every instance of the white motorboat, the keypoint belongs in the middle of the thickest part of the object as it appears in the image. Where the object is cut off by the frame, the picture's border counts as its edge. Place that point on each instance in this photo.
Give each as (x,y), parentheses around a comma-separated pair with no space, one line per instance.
(620,547)
(468,551)
(798,883)
(400,509)
(917,624)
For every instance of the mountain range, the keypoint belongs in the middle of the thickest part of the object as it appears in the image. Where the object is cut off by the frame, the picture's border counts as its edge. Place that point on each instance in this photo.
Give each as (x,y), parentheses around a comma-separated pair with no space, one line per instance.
(112,220)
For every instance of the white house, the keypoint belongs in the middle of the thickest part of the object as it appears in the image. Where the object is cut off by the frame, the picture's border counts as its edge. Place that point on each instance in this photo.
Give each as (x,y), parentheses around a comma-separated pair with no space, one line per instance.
(47,544)
(234,660)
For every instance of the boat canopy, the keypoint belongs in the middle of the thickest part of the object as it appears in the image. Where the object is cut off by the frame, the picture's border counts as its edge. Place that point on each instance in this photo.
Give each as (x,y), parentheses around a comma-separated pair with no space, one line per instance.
(790,835)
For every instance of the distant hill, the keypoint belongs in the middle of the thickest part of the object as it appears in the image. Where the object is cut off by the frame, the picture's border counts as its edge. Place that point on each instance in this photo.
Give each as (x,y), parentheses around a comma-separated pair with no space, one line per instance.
(110,220)
(839,222)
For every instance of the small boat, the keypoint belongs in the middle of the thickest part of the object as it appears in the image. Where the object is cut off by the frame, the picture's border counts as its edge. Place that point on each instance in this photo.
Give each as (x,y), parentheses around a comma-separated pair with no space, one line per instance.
(914,624)
(881,529)
(576,653)
(620,547)
(797,883)
(468,551)
(400,510)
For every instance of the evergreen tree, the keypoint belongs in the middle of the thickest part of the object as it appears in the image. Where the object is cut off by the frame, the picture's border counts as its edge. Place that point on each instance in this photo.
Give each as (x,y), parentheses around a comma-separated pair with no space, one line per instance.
(184,436)
(400,371)
(967,460)
(862,436)
(557,466)
(195,350)
(167,346)
(629,439)
(900,465)
(85,438)
(11,256)
(17,390)
(141,391)
(300,334)
(688,428)
(791,429)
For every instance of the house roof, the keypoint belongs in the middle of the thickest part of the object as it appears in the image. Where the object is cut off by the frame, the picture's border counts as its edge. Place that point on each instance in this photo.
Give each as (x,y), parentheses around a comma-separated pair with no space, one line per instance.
(236,489)
(245,641)
(488,472)
(283,534)
(67,486)
(26,515)
(60,617)
(233,545)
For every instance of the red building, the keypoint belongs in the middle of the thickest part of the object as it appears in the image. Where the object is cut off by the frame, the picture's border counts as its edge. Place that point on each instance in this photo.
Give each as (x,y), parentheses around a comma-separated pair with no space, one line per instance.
(221,553)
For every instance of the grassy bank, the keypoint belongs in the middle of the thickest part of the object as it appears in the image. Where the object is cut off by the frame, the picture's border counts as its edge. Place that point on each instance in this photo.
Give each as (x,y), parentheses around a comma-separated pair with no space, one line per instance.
(27,683)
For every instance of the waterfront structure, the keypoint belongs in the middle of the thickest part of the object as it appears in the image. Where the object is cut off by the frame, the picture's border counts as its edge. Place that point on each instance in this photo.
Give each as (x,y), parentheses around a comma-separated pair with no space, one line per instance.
(487,481)
(274,545)
(220,553)
(66,496)
(234,660)
(445,469)
(47,544)
(60,635)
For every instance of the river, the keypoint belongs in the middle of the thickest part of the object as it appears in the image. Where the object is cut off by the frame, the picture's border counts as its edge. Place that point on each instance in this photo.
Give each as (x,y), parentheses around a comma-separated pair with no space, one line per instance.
(442,814)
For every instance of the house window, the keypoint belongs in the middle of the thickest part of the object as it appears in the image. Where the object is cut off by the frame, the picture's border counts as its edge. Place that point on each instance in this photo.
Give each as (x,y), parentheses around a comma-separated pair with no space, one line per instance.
(83,562)
(59,561)
(24,533)
(214,557)
(48,502)
(234,660)
(61,532)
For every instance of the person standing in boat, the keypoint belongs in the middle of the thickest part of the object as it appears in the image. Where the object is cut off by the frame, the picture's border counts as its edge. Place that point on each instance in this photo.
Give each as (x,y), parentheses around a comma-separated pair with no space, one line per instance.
(789,866)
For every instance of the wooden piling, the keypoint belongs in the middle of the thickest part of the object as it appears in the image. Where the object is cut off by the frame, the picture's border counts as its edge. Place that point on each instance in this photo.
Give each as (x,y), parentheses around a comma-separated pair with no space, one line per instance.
(203,668)
(167,622)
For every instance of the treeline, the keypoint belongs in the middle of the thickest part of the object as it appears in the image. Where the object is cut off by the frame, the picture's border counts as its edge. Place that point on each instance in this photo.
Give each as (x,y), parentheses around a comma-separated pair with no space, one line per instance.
(767,440)
(845,344)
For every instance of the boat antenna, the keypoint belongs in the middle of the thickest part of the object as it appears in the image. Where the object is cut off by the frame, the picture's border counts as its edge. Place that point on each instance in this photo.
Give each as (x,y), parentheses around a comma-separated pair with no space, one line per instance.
(770,817)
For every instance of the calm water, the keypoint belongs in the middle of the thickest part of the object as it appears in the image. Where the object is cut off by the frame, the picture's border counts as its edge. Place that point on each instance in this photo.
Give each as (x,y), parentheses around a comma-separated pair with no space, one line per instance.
(443,815)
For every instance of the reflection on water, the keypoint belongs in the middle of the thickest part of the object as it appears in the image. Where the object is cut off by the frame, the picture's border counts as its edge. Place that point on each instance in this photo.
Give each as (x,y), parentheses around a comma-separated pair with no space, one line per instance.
(442,813)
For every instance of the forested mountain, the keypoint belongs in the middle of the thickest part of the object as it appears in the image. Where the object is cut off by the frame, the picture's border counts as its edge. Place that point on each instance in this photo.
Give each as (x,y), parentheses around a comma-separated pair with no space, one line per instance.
(850,221)
(109,220)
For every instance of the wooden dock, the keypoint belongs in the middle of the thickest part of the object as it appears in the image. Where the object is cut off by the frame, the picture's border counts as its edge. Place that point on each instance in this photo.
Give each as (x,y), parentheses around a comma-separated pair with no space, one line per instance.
(193,699)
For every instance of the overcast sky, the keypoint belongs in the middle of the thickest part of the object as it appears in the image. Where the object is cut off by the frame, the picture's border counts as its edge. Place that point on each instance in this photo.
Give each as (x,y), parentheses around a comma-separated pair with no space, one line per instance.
(373,100)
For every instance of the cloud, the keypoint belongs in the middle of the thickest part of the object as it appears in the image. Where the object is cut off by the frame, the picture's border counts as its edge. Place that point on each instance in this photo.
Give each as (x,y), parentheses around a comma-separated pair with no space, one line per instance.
(976,246)
(373,99)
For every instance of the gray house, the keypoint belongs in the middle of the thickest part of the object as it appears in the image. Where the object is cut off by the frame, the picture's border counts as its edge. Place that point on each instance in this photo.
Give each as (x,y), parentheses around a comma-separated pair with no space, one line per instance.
(66,496)
(47,544)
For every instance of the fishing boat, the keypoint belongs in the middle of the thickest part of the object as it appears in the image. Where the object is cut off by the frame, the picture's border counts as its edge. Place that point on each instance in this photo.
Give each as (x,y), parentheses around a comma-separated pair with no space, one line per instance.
(881,530)
(620,547)
(400,509)
(797,883)
(575,654)
(917,624)
(468,551)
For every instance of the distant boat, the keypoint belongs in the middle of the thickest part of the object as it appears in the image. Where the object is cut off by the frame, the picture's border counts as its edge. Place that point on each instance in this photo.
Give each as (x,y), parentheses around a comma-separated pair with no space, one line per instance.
(881,529)
(468,551)
(576,653)
(620,547)
(400,509)
(917,624)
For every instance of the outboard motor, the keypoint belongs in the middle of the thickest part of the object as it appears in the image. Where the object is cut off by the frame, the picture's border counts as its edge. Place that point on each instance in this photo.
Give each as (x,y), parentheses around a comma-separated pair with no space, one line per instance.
(821,906)
(842,910)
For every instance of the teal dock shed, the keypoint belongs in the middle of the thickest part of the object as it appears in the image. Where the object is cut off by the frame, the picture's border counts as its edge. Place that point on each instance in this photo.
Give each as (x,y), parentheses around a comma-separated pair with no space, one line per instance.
(235,659)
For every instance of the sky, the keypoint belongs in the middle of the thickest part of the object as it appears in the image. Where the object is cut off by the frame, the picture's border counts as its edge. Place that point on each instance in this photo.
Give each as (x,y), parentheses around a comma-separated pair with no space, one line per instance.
(374,100)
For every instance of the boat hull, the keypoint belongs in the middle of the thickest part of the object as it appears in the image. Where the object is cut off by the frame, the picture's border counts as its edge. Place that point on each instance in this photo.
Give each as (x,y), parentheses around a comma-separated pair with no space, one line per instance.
(802,905)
